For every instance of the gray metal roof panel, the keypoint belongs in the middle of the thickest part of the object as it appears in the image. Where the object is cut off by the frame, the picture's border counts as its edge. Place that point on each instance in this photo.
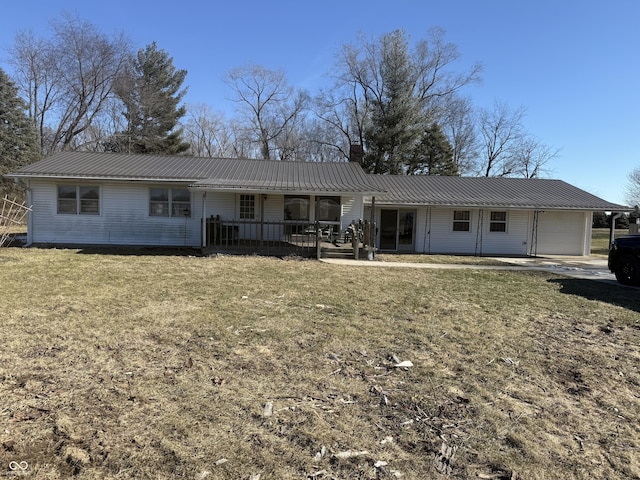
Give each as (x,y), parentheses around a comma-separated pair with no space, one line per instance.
(229,173)
(487,192)
(338,177)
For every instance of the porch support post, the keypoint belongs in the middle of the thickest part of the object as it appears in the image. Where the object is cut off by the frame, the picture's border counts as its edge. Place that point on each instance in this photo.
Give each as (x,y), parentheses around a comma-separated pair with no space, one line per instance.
(263,198)
(372,230)
(318,243)
(203,220)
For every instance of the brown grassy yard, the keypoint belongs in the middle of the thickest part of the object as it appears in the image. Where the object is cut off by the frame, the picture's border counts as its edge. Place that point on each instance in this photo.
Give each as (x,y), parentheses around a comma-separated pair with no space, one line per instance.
(159,366)
(600,240)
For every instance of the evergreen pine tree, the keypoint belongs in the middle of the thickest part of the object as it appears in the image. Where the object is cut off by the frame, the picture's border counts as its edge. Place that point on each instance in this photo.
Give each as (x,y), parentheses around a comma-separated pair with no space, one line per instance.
(151,92)
(397,117)
(433,155)
(18,145)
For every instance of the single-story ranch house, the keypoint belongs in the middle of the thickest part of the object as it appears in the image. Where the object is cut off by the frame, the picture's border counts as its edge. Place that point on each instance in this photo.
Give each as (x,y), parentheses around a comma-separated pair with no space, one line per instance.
(85,198)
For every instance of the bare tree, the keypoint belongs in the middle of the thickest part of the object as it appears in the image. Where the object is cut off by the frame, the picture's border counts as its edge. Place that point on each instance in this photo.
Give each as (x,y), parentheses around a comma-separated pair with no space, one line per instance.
(501,130)
(633,187)
(457,120)
(530,157)
(68,80)
(269,106)
(208,132)
(342,116)
(37,77)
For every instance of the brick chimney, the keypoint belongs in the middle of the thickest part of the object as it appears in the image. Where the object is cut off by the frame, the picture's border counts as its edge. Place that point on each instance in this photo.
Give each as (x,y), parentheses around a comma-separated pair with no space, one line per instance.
(356,153)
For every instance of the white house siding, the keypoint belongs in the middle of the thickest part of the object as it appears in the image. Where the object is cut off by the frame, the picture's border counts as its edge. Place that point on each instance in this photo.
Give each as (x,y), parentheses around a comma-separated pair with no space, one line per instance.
(441,238)
(352,211)
(220,204)
(434,233)
(514,241)
(123,220)
(564,233)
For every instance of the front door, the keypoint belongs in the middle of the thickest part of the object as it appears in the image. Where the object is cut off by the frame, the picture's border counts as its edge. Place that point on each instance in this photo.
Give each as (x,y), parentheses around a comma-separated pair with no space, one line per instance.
(397,229)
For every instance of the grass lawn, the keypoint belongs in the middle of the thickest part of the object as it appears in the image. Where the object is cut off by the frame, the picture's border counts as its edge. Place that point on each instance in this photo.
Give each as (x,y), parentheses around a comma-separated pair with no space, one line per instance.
(600,240)
(142,366)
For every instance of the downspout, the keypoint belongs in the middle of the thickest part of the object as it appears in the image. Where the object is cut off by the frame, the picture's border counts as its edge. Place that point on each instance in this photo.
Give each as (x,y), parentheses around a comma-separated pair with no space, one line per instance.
(426,247)
(29,215)
(203,221)
(612,227)
(533,248)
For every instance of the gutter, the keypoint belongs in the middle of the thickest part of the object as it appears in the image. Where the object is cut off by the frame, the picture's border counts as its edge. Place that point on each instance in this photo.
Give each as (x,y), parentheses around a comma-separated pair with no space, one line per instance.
(193,184)
(100,178)
(496,206)
(612,227)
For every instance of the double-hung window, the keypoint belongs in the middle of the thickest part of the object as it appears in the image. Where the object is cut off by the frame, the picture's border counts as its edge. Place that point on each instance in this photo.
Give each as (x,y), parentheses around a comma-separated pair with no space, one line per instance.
(169,202)
(79,199)
(461,221)
(498,222)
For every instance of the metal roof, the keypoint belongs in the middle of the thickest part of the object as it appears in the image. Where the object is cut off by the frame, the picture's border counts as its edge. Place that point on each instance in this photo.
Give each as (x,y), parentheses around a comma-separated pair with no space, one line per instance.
(301,177)
(207,173)
(497,192)
(233,174)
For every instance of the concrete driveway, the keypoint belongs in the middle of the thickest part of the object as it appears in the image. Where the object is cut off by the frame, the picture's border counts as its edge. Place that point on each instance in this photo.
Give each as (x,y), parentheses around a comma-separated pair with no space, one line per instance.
(591,268)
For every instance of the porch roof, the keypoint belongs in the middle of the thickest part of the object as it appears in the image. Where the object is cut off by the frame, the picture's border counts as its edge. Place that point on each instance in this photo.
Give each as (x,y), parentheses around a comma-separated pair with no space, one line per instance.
(287,177)
(497,192)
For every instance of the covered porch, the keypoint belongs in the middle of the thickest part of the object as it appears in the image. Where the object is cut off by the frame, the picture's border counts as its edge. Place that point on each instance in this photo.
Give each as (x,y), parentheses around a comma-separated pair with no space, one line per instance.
(275,223)
(279,206)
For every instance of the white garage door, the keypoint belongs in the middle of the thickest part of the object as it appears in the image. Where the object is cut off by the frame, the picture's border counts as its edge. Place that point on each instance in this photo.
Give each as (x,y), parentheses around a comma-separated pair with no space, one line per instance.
(561,233)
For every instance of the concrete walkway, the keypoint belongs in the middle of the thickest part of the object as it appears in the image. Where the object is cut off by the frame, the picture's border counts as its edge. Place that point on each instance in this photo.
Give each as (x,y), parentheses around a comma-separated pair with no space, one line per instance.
(576,267)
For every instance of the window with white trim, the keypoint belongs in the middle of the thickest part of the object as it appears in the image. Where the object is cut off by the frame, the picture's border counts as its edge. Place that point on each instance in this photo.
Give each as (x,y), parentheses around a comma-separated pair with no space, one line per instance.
(247,207)
(498,222)
(169,202)
(461,220)
(79,199)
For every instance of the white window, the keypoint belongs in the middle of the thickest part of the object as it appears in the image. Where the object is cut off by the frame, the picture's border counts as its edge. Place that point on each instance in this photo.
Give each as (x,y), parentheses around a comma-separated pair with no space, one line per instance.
(79,199)
(247,207)
(498,222)
(461,221)
(169,202)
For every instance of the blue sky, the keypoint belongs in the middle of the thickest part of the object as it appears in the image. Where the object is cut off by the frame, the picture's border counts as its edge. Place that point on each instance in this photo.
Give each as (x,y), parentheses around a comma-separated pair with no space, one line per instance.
(574,65)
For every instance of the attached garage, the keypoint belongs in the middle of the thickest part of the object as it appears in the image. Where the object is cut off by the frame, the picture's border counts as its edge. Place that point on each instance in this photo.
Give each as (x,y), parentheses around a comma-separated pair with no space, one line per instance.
(483,215)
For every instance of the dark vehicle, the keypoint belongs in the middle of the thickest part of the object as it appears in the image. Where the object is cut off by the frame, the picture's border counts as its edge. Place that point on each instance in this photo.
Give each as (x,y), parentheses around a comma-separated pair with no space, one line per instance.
(624,259)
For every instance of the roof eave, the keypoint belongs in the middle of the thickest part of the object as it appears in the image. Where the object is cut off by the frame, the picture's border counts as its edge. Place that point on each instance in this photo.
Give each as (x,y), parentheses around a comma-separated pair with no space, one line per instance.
(610,207)
(283,191)
(111,178)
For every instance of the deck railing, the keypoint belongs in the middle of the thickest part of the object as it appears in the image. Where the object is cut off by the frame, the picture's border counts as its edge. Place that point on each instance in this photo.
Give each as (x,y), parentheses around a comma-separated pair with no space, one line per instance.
(268,237)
